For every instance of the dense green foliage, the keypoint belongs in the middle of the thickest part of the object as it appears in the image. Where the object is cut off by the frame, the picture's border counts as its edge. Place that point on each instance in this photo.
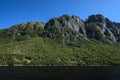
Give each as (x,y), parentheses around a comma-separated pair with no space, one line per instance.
(46,51)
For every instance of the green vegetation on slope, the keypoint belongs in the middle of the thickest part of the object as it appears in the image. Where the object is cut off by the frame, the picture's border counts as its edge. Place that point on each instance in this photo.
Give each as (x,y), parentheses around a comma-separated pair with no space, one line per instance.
(46,51)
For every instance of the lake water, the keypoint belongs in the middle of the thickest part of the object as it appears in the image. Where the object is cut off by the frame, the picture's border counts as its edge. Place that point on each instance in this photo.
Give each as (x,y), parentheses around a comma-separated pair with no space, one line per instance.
(60,73)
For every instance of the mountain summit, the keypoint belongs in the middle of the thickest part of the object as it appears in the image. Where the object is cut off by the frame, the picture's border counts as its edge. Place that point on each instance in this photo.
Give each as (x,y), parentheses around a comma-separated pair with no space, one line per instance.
(71,22)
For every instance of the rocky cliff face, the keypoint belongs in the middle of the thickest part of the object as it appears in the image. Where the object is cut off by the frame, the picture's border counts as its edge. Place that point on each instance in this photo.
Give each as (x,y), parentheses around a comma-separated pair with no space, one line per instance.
(95,27)
(68,22)
(102,28)
(68,28)
(109,30)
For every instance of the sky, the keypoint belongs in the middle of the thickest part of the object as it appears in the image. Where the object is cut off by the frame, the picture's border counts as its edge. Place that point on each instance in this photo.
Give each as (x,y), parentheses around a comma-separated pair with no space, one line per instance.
(19,11)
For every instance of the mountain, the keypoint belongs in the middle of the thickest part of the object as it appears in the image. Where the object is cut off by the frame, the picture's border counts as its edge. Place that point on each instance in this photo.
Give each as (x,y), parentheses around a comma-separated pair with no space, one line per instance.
(68,22)
(69,28)
(65,40)
(29,29)
(24,31)
(101,28)
(96,27)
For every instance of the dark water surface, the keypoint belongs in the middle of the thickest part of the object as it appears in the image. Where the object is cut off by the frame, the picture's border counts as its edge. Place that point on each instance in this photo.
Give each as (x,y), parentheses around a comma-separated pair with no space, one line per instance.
(60,73)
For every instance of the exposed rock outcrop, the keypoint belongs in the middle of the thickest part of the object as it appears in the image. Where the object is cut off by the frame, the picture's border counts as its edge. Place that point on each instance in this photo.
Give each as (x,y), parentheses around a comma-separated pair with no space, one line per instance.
(27,30)
(103,29)
(95,27)
(68,22)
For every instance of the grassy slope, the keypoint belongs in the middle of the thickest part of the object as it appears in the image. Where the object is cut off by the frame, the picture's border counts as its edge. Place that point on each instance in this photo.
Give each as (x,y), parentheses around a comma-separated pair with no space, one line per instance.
(44,51)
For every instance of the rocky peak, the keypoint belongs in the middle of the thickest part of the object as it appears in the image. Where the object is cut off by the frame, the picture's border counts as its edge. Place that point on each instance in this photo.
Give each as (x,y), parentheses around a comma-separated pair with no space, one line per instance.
(28,25)
(96,18)
(68,22)
(96,27)
(29,29)
(105,28)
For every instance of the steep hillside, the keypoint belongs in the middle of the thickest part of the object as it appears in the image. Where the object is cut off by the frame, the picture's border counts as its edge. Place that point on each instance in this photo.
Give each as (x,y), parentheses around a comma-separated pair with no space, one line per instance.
(45,51)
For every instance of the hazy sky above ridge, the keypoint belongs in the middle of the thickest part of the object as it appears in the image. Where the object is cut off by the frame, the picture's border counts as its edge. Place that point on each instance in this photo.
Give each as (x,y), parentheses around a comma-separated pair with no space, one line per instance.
(18,11)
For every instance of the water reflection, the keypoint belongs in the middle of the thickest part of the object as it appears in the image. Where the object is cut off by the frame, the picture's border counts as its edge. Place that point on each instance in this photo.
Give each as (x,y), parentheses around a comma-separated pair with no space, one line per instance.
(60,73)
